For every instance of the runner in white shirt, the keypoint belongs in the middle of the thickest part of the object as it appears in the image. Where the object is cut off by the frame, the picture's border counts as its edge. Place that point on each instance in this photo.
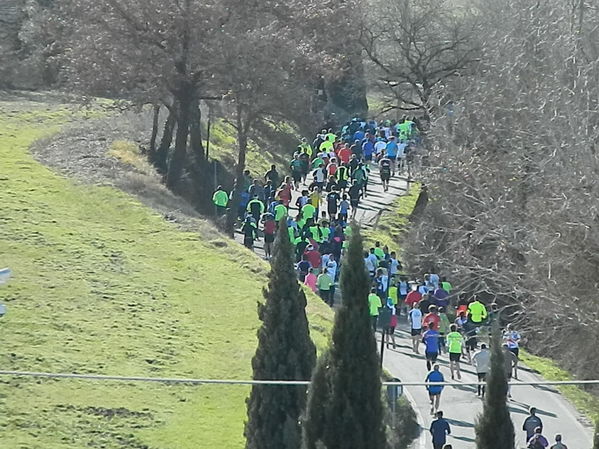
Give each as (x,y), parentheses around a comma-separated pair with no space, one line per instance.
(512,339)
(415,318)
(379,146)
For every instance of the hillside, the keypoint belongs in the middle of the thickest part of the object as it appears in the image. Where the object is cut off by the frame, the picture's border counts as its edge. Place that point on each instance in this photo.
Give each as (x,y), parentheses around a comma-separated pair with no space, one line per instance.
(104,285)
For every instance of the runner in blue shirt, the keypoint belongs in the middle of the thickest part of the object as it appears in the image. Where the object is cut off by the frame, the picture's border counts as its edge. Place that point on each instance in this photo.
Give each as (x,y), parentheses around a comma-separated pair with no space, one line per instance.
(391,151)
(439,430)
(431,342)
(434,391)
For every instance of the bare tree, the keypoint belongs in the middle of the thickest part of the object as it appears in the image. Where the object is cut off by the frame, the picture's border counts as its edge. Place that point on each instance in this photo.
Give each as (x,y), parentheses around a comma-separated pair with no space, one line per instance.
(413,46)
(148,51)
(515,211)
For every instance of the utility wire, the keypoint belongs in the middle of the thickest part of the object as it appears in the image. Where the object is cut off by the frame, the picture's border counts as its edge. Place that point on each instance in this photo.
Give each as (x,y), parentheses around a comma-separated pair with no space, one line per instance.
(174,380)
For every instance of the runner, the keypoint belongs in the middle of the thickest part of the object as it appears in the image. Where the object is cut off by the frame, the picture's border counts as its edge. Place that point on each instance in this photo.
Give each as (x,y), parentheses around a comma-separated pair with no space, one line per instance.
(359,176)
(455,344)
(342,177)
(482,363)
(269,227)
(509,363)
(430,338)
(280,212)
(324,283)
(431,318)
(413,297)
(385,171)
(343,209)
(297,171)
(303,267)
(354,193)
(390,330)
(512,339)
(531,423)
(255,208)
(249,232)
(444,329)
(558,443)
(374,304)
(439,430)
(477,312)
(415,319)
(537,441)
(434,391)
(220,200)
(332,203)
(311,280)
(391,151)
(272,175)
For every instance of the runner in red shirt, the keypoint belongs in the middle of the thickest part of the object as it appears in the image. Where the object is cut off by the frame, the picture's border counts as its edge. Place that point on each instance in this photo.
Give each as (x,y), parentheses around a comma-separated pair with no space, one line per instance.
(344,154)
(413,297)
(432,317)
(313,256)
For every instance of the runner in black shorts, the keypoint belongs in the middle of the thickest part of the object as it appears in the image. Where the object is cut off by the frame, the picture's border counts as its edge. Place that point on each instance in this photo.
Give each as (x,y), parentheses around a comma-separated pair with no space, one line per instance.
(455,356)
(355,193)
(385,171)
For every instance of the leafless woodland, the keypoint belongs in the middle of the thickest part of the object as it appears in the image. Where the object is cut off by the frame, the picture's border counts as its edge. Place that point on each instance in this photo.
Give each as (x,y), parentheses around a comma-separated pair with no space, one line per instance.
(513,170)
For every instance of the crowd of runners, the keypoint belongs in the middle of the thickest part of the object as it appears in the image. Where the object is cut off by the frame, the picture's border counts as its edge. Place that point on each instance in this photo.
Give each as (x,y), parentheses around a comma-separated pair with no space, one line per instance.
(321,192)
(317,199)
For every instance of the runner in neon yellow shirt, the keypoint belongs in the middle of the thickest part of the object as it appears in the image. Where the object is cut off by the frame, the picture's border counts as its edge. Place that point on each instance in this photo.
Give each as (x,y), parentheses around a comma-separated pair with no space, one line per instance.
(477,312)
(220,200)
(374,304)
(455,343)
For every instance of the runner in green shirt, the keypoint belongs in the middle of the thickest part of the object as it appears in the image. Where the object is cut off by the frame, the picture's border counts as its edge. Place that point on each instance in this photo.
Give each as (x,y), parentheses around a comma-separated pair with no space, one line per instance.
(378,251)
(477,312)
(374,304)
(280,212)
(324,283)
(446,285)
(443,329)
(220,200)
(455,343)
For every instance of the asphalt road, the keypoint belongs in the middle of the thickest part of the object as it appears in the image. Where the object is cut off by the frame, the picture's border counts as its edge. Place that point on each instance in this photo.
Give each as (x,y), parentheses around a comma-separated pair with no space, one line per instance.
(461,405)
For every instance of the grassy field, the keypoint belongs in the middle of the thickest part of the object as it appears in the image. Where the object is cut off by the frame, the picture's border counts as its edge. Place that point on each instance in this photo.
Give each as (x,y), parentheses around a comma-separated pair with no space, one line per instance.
(104,285)
(585,402)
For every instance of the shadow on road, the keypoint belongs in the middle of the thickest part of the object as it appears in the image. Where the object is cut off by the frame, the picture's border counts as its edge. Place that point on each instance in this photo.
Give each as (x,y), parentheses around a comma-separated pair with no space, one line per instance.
(458,423)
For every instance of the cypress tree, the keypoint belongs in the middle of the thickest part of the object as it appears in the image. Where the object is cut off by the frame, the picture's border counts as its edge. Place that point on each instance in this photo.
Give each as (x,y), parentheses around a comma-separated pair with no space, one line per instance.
(596,439)
(285,352)
(345,410)
(494,427)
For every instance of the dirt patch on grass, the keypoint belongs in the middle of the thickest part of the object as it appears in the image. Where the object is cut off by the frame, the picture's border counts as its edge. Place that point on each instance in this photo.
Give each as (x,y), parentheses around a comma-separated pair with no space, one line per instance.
(107,151)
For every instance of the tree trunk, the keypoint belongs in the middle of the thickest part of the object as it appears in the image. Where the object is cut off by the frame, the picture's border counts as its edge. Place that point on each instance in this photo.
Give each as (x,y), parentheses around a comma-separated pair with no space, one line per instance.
(421,203)
(195,130)
(176,161)
(161,154)
(155,118)
(242,143)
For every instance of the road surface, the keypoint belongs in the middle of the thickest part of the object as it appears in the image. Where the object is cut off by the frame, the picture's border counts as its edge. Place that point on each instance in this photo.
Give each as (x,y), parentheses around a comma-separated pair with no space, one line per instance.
(461,405)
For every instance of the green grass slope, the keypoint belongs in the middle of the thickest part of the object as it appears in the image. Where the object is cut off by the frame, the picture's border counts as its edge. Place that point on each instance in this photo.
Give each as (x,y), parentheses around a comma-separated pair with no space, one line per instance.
(103,285)
(394,222)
